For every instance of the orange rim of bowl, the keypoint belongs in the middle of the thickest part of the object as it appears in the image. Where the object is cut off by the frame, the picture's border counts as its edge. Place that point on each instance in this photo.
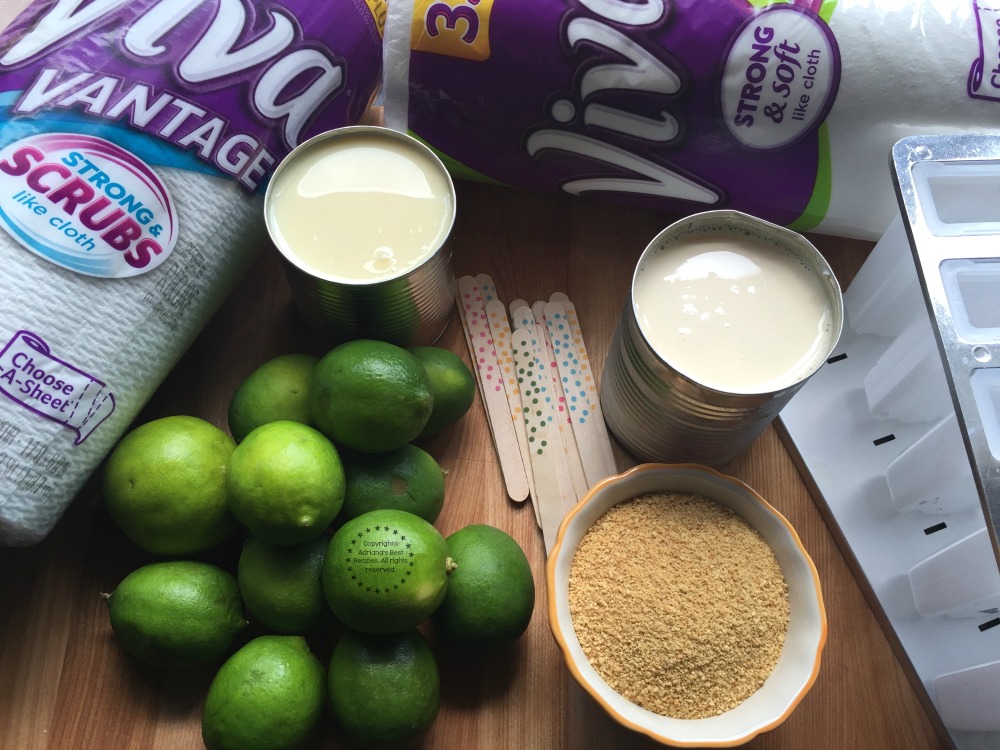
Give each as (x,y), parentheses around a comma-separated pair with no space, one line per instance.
(550,568)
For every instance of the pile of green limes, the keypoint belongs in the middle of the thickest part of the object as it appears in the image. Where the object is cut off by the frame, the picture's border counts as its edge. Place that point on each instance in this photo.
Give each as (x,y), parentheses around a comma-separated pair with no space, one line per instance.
(320,473)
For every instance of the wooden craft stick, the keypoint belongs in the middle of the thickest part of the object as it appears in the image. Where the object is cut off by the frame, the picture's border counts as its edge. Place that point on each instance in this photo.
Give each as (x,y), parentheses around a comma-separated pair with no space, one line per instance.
(517,315)
(522,319)
(508,377)
(492,389)
(559,410)
(548,495)
(459,283)
(525,320)
(581,390)
(496,315)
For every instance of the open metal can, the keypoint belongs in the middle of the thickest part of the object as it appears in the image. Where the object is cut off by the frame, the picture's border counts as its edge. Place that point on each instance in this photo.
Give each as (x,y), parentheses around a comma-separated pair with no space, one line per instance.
(362,216)
(728,316)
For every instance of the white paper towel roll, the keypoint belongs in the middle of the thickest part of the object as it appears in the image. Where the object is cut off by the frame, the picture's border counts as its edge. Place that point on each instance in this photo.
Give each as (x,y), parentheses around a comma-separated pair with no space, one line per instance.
(904,70)
(123,333)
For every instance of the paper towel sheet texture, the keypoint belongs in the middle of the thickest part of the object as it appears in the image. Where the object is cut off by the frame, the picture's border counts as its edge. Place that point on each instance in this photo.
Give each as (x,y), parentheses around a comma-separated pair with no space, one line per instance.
(125,335)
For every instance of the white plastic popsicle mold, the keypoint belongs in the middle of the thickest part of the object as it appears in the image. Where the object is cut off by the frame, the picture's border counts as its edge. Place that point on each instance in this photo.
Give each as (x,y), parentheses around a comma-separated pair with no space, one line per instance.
(967,696)
(907,382)
(898,434)
(952,581)
(932,475)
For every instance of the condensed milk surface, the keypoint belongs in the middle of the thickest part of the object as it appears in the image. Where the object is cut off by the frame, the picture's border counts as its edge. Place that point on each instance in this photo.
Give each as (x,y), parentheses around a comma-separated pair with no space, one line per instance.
(734,312)
(360,209)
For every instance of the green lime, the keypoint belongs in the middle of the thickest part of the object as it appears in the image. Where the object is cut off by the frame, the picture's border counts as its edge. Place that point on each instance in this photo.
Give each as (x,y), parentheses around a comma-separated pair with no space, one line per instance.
(385,689)
(491,593)
(453,386)
(407,478)
(277,390)
(281,585)
(269,695)
(164,484)
(176,613)
(370,396)
(386,571)
(286,482)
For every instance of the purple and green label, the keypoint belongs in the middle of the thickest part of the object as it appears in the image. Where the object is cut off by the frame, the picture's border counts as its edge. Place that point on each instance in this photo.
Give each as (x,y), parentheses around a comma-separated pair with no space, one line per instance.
(984,74)
(675,104)
(33,376)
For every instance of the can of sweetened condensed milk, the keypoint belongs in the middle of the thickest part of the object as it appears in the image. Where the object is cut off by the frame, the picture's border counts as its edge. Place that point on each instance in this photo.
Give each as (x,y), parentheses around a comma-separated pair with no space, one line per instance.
(727,317)
(362,217)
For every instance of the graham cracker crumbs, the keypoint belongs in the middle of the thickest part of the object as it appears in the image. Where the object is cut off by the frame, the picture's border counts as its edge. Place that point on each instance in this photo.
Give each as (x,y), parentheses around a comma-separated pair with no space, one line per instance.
(679,604)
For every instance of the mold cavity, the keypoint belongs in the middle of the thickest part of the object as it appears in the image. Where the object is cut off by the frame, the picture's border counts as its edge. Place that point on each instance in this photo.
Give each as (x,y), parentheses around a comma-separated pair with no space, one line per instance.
(986,390)
(959,197)
(973,291)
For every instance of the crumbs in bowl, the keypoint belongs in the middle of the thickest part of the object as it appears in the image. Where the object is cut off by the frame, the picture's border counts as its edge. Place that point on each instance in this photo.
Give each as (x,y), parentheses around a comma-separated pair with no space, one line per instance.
(679,604)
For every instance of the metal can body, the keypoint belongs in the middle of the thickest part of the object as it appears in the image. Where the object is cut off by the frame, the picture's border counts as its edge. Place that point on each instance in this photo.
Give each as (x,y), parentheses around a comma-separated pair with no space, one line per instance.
(410,308)
(657,412)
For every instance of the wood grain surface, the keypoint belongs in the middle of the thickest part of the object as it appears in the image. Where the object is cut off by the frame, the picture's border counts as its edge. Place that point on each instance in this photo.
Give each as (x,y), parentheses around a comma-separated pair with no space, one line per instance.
(66,685)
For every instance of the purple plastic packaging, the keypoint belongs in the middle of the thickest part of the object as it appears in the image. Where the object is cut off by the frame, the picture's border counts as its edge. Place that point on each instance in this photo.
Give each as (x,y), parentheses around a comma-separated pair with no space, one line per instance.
(784,110)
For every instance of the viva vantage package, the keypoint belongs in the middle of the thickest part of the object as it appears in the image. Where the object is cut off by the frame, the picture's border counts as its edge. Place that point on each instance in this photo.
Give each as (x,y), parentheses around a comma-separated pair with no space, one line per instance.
(136,140)
(784,110)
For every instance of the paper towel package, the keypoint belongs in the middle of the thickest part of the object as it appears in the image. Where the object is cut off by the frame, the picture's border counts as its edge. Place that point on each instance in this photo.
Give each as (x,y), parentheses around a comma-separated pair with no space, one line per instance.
(136,139)
(784,110)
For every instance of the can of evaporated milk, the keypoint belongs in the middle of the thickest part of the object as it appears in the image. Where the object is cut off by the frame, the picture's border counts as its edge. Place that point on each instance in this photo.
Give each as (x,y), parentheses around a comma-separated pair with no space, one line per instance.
(362,217)
(727,317)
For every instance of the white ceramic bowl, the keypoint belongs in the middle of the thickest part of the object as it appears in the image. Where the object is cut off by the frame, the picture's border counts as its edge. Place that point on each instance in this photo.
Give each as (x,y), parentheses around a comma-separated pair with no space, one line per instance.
(799,662)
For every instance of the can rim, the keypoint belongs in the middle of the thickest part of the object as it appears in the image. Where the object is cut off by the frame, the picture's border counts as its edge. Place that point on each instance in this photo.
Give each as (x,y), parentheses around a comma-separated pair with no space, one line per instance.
(791,239)
(345,132)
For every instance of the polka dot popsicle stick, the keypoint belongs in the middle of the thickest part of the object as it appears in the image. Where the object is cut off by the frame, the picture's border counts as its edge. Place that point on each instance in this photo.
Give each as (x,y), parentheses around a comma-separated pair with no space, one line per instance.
(524,320)
(548,496)
(492,389)
(486,287)
(558,407)
(496,315)
(488,291)
(580,388)
(461,282)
